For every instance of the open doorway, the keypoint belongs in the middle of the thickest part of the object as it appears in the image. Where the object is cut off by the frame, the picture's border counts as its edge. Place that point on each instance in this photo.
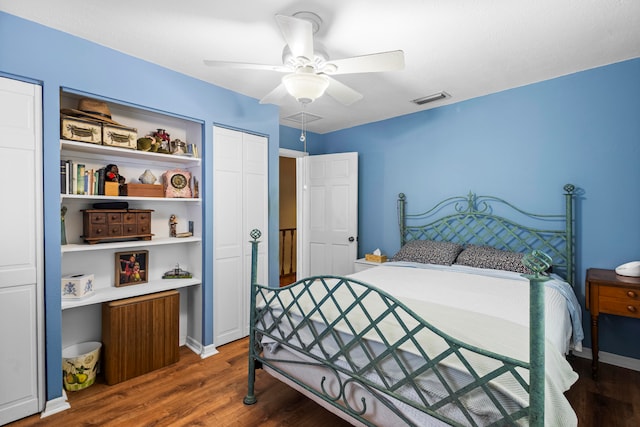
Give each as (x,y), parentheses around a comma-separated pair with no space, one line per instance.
(288,234)
(319,201)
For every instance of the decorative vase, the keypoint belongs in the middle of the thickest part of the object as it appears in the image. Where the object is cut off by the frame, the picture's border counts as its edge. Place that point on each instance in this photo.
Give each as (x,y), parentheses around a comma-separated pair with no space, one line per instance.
(147,177)
(63,229)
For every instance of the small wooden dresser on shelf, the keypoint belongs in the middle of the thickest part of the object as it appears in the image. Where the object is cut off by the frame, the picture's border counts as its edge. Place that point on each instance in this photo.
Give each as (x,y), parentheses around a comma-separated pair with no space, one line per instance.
(609,293)
(108,224)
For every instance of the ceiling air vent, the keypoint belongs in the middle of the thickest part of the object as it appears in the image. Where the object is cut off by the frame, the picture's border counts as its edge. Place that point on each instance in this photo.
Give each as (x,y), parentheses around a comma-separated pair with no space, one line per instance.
(431,98)
(297,117)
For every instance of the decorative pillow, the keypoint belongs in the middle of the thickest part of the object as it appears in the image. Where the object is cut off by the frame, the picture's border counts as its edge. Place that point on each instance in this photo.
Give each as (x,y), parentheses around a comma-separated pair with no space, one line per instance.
(488,257)
(429,252)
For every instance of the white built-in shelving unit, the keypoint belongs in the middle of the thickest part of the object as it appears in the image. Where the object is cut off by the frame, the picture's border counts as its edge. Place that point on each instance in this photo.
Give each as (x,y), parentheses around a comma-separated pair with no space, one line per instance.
(82,316)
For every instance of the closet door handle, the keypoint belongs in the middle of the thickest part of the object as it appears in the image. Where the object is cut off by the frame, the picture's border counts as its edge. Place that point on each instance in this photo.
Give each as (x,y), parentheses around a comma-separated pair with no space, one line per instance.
(351,238)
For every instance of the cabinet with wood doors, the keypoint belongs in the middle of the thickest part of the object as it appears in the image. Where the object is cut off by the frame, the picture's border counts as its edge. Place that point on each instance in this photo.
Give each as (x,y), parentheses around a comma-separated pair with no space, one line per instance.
(81,319)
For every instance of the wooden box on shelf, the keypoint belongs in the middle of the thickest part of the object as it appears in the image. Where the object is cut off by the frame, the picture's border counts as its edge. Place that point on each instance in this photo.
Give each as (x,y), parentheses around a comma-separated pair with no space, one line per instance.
(111,188)
(75,129)
(76,286)
(116,224)
(119,136)
(145,190)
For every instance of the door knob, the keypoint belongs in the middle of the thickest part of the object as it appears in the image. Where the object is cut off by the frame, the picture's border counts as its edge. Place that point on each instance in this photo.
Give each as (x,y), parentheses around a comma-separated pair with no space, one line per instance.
(351,238)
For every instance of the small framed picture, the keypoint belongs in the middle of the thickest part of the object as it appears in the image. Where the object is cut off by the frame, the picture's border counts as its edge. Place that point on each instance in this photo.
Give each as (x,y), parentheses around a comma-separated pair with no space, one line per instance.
(131,268)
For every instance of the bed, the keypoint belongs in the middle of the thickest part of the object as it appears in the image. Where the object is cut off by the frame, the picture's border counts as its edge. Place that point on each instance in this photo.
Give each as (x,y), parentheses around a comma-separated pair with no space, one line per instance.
(441,335)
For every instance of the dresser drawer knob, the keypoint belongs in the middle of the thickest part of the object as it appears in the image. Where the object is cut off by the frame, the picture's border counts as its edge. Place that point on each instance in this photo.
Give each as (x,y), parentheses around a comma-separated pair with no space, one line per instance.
(631,294)
(631,308)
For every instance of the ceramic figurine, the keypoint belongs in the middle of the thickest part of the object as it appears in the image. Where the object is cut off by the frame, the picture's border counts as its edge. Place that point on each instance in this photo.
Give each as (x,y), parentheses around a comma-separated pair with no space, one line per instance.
(147,177)
(172,225)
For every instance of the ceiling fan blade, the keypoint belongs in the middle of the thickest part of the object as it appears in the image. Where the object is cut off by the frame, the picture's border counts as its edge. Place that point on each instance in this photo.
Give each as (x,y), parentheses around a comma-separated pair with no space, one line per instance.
(298,33)
(275,96)
(373,63)
(342,93)
(247,66)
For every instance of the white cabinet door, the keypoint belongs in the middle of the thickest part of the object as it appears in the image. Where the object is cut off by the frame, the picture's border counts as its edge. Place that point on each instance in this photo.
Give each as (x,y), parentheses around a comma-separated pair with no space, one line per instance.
(240,204)
(21,291)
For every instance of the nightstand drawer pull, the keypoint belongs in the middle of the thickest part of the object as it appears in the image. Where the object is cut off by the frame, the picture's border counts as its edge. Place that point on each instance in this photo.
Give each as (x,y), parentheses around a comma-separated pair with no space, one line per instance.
(631,308)
(631,294)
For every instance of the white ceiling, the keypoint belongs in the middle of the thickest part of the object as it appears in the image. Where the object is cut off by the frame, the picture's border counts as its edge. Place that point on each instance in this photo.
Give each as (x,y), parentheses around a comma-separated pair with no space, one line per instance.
(467,48)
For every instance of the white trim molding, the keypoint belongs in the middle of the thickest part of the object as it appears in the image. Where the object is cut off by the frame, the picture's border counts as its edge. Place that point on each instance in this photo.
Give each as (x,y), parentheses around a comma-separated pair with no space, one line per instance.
(611,359)
(56,405)
(208,350)
(285,152)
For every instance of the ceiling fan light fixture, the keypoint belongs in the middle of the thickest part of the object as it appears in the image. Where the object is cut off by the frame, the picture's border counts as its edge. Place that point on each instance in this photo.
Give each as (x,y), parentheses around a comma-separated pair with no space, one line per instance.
(305,87)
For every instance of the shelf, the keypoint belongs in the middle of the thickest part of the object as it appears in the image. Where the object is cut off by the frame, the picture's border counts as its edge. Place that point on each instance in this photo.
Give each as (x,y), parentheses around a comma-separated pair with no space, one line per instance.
(85,147)
(98,258)
(84,247)
(113,293)
(64,197)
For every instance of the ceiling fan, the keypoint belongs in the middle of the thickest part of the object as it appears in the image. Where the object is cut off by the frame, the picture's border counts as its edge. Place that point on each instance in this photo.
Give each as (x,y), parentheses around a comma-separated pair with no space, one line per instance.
(309,68)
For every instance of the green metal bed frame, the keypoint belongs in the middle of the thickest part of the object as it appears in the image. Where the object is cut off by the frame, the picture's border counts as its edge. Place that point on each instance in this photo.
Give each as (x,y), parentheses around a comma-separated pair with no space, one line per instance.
(469,220)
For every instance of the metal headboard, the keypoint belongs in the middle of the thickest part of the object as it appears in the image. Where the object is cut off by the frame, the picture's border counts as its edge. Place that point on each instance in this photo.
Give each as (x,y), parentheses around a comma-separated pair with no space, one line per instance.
(475,220)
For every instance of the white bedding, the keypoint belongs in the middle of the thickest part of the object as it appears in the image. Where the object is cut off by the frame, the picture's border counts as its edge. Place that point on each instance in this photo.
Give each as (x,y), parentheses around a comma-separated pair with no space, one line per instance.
(496,293)
(482,310)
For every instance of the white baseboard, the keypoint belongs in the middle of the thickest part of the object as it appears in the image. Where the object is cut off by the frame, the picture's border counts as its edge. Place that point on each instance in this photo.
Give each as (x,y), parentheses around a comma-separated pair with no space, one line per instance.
(208,350)
(198,348)
(56,405)
(611,359)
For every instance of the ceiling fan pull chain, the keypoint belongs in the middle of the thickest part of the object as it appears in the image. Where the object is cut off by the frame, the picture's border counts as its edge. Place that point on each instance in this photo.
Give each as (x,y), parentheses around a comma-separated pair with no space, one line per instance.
(303,134)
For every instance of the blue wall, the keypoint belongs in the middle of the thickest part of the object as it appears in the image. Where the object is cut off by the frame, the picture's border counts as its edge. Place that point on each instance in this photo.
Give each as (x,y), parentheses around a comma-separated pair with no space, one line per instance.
(32,52)
(523,145)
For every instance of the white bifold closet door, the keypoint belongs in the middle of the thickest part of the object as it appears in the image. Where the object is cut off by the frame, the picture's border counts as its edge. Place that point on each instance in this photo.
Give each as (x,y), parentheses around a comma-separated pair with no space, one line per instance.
(21,271)
(240,193)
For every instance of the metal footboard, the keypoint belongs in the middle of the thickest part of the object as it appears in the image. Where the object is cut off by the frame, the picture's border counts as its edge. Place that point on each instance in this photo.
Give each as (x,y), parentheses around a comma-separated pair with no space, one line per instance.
(309,319)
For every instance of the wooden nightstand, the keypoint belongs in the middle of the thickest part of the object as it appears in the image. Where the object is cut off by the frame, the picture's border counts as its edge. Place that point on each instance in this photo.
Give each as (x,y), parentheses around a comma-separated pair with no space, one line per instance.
(607,292)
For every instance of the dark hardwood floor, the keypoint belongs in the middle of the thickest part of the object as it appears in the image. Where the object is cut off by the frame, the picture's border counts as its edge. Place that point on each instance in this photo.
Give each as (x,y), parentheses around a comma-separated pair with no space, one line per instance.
(611,401)
(209,392)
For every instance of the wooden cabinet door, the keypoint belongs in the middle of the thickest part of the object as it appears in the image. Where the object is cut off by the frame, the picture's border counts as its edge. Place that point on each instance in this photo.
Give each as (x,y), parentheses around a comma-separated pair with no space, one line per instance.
(21,290)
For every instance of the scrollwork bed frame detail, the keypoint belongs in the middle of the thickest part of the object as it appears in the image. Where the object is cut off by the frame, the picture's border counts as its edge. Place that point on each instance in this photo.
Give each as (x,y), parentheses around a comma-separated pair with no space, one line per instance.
(473,221)
(281,318)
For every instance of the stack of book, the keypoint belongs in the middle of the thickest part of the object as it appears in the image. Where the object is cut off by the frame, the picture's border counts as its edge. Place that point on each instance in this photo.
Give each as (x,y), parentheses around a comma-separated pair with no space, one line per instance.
(75,178)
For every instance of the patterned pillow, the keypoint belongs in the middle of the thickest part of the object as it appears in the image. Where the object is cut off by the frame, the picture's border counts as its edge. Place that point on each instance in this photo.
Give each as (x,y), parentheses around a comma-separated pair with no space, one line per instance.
(429,252)
(488,257)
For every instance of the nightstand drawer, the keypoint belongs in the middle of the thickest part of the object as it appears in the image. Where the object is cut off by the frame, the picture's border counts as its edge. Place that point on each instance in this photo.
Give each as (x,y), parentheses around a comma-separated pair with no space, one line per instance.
(621,307)
(626,294)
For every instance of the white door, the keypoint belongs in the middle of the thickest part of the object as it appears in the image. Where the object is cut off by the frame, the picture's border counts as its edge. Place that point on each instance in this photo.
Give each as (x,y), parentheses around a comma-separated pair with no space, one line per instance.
(240,204)
(330,213)
(21,290)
